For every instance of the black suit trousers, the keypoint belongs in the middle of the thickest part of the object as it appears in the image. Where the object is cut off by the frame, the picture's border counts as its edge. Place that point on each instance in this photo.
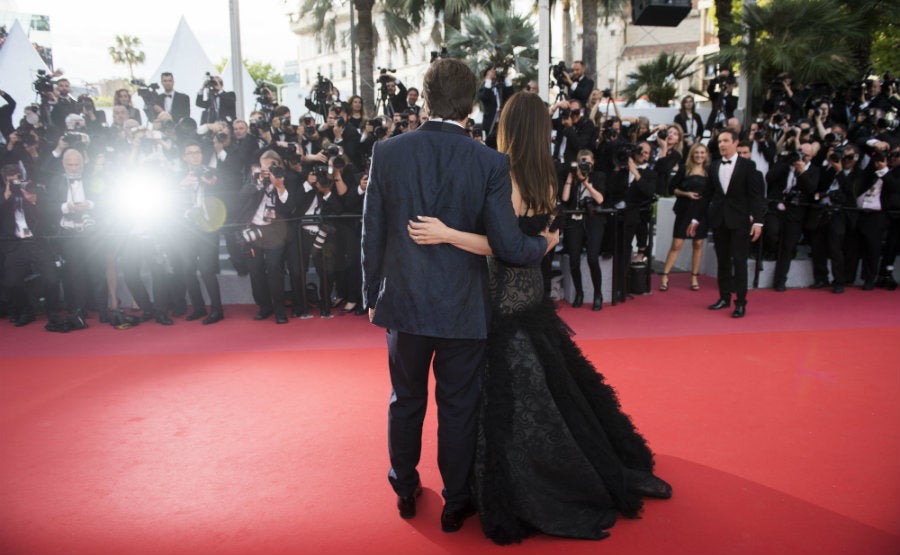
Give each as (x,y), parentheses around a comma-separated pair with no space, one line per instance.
(587,232)
(827,242)
(732,249)
(458,370)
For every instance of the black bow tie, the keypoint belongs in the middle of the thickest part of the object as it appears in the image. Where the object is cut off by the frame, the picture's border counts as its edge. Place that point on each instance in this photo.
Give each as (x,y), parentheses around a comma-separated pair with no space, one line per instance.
(168,96)
(726,161)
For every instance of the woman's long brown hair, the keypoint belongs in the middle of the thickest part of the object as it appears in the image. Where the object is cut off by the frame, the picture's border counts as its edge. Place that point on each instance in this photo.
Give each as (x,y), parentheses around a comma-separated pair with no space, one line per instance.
(524,135)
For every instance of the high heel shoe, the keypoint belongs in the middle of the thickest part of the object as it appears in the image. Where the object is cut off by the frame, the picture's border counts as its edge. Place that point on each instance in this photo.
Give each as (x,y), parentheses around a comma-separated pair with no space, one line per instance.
(664,282)
(695,286)
(578,300)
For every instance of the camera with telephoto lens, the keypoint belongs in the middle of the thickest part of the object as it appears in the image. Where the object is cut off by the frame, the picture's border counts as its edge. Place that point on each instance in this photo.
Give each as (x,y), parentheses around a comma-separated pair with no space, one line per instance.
(209,82)
(203,172)
(75,139)
(606,93)
(332,151)
(792,196)
(258,127)
(624,152)
(759,135)
(565,113)
(384,76)
(837,154)
(585,166)
(16,186)
(323,89)
(251,234)
(790,157)
(323,174)
(263,93)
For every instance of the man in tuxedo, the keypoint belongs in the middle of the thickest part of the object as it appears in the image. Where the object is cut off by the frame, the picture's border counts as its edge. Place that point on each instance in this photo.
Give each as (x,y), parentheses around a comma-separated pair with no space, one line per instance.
(177,104)
(433,299)
(6,112)
(736,213)
(217,104)
(724,103)
(579,85)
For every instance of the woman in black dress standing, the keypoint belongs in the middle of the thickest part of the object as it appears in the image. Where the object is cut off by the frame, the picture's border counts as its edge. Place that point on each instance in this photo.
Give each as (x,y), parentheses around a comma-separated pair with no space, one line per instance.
(690,121)
(693,193)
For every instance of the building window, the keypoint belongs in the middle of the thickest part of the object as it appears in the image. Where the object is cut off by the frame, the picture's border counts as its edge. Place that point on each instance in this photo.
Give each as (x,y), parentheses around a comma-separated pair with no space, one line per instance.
(344,68)
(345,38)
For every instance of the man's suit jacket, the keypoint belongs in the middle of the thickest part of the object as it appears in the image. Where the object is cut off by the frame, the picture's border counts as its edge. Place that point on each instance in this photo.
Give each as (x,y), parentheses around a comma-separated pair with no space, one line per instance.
(35,216)
(437,290)
(806,186)
(745,201)
(181,105)
(227,108)
(582,90)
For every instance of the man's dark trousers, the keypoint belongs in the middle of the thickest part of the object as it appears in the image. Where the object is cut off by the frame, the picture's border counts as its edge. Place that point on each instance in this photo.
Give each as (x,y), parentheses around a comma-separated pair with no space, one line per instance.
(458,369)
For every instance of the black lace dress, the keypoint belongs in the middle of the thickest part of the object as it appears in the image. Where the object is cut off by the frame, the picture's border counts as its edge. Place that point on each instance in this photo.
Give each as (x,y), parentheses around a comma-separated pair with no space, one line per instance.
(555,454)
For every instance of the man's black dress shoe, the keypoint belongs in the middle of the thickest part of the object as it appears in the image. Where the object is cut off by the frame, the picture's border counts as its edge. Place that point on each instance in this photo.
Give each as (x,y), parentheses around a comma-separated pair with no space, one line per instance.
(452,521)
(281,317)
(263,314)
(163,319)
(578,300)
(868,286)
(598,303)
(838,288)
(195,315)
(780,287)
(720,304)
(739,310)
(24,319)
(214,316)
(407,504)
(819,285)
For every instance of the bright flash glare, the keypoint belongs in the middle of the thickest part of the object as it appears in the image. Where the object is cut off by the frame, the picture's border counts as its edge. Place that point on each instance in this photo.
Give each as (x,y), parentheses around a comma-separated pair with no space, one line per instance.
(143,200)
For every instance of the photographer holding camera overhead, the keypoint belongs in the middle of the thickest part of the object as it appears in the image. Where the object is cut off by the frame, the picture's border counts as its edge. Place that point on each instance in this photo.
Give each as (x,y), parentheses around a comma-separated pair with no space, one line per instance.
(577,84)
(217,104)
(393,93)
(266,202)
(494,90)
(724,102)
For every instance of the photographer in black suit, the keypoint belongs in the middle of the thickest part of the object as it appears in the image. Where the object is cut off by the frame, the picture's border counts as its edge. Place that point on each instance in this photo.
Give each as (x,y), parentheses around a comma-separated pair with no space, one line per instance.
(217,104)
(736,213)
(578,85)
(724,102)
(24,249)
(792,184)
(492,94)
(267,201)
(177,104)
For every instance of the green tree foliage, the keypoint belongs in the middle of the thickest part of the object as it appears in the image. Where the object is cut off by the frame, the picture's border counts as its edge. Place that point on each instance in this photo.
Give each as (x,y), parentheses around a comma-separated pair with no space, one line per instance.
(496,38)
(657,78)
(127,51)
(257,70)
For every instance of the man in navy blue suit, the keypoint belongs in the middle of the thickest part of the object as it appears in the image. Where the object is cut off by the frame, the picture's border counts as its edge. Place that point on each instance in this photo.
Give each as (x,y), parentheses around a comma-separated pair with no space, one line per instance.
(434,299)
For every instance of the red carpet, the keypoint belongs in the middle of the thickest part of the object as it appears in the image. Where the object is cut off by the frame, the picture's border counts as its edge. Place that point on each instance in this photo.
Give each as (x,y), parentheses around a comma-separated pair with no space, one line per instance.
(778,433)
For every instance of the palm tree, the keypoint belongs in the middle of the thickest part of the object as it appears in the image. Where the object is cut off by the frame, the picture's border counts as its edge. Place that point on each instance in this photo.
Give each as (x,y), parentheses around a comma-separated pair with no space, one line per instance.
(451,11)
(657,78)
(126,52)
(497,38)
(397,30)
(780,39)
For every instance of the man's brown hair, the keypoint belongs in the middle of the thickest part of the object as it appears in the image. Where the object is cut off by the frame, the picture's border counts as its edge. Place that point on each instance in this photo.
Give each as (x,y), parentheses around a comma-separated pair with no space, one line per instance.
(449,89)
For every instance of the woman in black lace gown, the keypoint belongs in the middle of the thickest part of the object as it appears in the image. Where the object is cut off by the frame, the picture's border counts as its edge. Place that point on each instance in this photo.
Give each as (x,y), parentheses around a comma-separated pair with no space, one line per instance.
(555,452)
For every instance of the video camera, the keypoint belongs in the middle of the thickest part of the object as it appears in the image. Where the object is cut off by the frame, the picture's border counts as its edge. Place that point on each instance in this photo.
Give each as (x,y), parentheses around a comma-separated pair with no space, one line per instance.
(148,94)
(43,83)
(559,73)
(209,82)
(323,89)
(263,93)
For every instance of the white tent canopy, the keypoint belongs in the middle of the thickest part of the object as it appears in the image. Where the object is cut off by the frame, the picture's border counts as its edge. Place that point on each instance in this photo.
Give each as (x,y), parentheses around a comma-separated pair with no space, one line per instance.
(19,63)
(248,87)
(188,64)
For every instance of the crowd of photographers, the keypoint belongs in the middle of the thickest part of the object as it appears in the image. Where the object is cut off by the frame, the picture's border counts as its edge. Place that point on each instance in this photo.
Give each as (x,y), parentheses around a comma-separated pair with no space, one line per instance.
(151,192)
(830,160)
(86,201)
